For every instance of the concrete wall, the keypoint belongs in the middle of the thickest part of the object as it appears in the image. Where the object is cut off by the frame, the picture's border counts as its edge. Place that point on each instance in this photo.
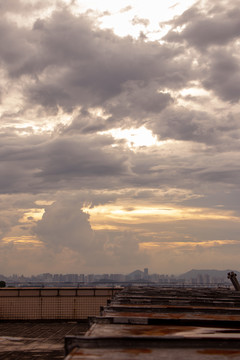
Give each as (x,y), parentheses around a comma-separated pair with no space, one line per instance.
(52,303)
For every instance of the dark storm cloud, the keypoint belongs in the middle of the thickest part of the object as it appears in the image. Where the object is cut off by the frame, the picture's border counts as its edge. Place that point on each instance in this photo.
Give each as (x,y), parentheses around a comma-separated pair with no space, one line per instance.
(138,101)
(77,157)
(85,123)
(20,159)
(14,58)
(37,163)
(212,30)
(222,176)
(132,107)
(223,75)
(71,62)
(181,123)
(219,26)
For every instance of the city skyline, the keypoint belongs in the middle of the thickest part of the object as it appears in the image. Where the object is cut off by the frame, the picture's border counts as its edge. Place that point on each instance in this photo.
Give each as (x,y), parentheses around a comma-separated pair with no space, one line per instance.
(193,277)
(119,136)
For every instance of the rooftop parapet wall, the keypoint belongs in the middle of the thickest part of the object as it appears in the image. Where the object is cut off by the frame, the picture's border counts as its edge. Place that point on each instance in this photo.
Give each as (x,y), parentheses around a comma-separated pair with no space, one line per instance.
(53,303)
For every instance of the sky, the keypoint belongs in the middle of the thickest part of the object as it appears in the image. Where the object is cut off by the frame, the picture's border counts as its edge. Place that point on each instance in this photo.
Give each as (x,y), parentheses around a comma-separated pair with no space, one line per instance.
(119,136)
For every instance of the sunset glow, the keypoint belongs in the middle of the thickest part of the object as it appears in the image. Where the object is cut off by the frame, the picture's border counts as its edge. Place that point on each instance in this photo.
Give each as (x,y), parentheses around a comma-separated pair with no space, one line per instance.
(190,245)
(22,241)
(119,135)
(113,216)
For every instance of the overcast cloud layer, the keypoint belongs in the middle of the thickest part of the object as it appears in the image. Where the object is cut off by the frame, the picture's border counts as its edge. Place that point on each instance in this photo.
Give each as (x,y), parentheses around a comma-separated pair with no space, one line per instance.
(76,197)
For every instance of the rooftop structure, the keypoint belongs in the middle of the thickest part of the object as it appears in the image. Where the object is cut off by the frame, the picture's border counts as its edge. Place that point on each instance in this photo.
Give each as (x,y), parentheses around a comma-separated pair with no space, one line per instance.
(163,323)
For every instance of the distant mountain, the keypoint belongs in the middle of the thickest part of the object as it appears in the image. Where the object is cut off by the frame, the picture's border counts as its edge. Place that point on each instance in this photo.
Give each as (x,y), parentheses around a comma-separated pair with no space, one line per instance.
(135,275)
(213,273)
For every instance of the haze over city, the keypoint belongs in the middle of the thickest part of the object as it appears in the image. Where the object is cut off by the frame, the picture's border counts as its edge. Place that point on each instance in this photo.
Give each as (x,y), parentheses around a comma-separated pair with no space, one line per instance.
(119,136)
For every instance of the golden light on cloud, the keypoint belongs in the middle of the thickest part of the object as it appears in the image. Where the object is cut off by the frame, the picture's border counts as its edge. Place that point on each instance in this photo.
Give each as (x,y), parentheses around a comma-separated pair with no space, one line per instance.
(44,202)
(24,240)
(105,216)
(186,244)
(32,215)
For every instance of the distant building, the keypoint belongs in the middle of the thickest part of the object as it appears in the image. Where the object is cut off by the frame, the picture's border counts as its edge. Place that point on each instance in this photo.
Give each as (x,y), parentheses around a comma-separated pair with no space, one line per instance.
(145,274)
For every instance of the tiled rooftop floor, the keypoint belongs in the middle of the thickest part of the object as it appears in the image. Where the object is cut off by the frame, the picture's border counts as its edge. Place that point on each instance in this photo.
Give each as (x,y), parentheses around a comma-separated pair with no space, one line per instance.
(36,340)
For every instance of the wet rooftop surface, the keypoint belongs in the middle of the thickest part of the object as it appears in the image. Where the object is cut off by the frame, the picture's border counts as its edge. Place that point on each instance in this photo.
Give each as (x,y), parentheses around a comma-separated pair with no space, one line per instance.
(36,340)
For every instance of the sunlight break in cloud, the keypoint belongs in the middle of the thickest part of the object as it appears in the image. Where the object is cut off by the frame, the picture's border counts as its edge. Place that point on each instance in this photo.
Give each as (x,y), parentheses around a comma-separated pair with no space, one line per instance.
(135,137)
(131,107)
(131,17)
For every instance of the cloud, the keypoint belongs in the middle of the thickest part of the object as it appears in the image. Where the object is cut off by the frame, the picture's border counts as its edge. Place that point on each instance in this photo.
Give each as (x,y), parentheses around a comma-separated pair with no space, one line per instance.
(65,80)
(30,164)
(223,76)
(186,125)
(22,6)
(65,225)
(212,30)
(206,25)
(66,228)
(139,21)
(84,160)
(137,102)
(71,62)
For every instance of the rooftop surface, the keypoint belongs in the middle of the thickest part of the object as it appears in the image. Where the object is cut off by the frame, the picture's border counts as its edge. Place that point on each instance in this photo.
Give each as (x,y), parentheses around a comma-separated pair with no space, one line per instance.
(36,340)
(148,323)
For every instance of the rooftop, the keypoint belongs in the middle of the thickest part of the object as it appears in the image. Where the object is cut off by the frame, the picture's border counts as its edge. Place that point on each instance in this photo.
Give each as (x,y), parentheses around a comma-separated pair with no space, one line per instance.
(147,323)
(27,340)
